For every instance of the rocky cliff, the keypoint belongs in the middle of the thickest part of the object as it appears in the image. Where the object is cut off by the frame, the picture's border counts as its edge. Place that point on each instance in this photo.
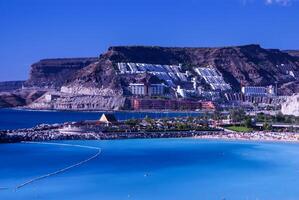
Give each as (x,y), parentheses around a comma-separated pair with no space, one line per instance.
(11,100)
(18,98)
(7,86)
(240,65)
(98,83)
(79,102)
(291,106)
(98,78)
(52,73)
(294,53)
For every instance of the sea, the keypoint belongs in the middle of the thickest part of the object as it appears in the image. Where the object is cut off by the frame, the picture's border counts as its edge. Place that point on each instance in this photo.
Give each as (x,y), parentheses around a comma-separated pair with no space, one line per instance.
(16,118)
(145,169)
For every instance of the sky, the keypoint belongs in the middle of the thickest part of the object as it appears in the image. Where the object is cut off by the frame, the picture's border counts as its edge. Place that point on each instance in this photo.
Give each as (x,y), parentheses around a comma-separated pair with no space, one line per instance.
(31,30)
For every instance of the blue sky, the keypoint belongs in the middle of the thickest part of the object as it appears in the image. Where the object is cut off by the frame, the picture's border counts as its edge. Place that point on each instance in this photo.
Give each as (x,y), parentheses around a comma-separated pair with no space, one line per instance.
(35,29)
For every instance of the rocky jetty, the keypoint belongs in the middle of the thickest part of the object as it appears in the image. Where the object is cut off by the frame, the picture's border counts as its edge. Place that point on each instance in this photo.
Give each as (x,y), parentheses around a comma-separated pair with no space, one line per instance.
(45,132)
(42,132)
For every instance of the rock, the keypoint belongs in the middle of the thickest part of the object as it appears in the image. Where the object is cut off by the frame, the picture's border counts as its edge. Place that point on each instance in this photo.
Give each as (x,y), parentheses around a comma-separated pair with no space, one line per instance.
(18,98)
(294,53)
(62,101)
(240,65)
(289,88)
(96,83)
(11,100)
(53,73)
(291,106)
(98,78)
(7,86)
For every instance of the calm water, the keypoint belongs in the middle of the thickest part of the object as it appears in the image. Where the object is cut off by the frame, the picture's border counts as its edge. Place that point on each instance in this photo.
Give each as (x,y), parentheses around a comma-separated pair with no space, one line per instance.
(160,169)
(177,169)
(12,119)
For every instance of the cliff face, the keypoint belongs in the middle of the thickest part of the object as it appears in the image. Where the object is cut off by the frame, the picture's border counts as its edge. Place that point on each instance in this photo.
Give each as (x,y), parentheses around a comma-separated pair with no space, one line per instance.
(80,102)
(101,79)
(7,86)
(11,100)
(294,53)
(291,106)
(98,78)
(240,65)
(246,65)
(53,73)
(18,98)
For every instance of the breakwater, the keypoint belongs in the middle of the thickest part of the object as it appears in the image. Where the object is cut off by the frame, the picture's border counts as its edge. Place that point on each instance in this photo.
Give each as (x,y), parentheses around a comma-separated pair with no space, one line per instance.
(54,134)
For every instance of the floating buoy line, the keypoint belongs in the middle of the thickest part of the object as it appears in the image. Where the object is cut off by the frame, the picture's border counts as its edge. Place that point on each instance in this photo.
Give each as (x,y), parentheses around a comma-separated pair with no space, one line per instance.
(98,152)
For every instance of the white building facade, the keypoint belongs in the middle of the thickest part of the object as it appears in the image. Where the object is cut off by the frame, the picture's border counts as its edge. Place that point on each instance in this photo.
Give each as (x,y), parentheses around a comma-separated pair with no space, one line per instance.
(141,89)
(254,91)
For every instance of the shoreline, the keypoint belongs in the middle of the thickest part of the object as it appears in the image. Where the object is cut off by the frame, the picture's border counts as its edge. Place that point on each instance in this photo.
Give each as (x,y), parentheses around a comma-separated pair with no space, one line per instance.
(143,138)
(143,129)
(109,111)
(259,136)
(248,140)
(46,134)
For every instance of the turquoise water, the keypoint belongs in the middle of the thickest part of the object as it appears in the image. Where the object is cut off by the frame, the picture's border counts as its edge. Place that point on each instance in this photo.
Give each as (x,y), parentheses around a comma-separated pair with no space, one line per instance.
(12,119)
(160,169)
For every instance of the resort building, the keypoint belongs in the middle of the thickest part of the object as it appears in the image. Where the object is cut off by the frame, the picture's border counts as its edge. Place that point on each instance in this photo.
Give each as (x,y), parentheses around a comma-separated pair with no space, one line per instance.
(168,73)
(163,104)
(213,78)
(141,89)
(254,91)
(138,89)
(208,105)
(157,89)
(184,93)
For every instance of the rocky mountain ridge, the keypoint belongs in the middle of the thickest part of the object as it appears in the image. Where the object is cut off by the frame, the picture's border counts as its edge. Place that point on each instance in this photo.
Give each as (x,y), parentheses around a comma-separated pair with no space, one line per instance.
(19,98)
(100,76)
(294,53)
(53,73)
(239,65)
(7,86)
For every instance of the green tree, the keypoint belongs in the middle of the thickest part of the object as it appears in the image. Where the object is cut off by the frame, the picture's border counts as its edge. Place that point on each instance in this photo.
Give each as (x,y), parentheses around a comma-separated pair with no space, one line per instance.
(279,117)
(248,123)
(237,115)
(148,120)
(131,122)
(267,126)
(261,117)
(190,119)
(217,115)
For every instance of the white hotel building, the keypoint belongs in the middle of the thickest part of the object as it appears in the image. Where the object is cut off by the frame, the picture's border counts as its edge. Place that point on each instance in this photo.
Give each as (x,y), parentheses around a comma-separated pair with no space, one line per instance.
(141,89)
(254,91)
